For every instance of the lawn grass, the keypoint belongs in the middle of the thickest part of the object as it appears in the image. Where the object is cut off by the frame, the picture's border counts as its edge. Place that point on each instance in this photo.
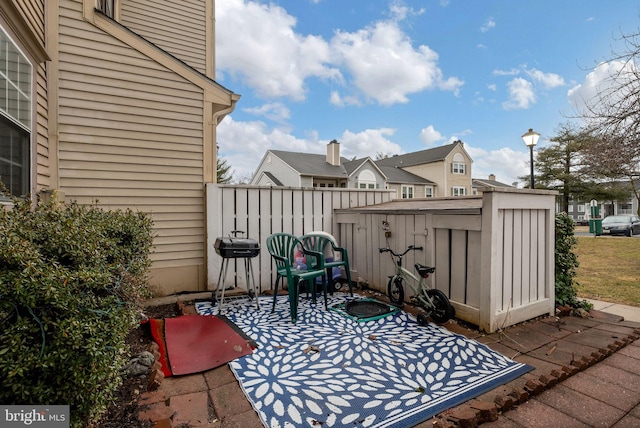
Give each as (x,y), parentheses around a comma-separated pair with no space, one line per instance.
(609,269)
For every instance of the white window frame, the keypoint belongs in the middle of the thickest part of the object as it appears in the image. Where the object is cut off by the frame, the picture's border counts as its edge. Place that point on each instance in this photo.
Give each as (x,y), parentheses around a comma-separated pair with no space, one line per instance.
(366,180)
(428,192)
(407,192)
(458,191)
(459,168)
(16,109)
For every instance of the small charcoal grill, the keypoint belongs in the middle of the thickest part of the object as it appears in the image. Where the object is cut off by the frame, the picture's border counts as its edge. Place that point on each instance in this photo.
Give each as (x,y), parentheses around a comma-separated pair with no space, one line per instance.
(233,247)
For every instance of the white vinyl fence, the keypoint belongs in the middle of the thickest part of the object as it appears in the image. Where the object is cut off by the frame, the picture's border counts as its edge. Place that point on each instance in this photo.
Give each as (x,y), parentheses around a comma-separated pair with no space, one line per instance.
(260,211)
(494,254)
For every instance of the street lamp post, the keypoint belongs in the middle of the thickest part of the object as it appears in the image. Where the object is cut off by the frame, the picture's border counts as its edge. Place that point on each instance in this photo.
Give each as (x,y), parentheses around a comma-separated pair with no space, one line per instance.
(531,139)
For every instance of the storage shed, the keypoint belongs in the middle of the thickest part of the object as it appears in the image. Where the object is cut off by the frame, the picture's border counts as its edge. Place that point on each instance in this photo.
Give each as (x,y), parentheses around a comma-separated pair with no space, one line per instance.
(494,253)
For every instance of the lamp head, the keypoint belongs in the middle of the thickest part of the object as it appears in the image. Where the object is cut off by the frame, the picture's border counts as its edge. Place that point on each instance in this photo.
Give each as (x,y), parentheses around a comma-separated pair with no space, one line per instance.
(531,138)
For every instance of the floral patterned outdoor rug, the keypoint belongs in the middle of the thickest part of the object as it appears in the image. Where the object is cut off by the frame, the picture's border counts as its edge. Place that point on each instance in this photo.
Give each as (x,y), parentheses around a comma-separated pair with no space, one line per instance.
(331,371)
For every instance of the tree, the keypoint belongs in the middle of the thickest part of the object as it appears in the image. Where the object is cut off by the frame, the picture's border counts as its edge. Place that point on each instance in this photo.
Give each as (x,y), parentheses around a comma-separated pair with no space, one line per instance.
(223,169)
(613,117)
(561,167)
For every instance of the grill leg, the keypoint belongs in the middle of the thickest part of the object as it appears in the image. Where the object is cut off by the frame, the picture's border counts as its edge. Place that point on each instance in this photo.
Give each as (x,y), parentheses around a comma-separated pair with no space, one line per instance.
(221,279)
(249,272)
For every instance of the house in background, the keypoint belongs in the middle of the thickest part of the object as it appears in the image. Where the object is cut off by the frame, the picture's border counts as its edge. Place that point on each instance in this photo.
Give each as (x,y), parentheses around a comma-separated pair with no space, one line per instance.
(478,183)
(422,174)
(293,169)
(406,184)
(114,102)
(447,167)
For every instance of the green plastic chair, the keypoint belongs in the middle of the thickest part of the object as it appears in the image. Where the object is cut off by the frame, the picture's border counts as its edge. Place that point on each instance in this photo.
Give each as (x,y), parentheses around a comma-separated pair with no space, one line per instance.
(283,248)
(322,242)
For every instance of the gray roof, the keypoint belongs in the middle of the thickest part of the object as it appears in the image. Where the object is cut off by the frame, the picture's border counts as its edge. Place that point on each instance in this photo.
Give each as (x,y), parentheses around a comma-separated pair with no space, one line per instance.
(273,178)
(481,182)
(399,175)
(352,165)
(419,158)
(312,164)
(470,204)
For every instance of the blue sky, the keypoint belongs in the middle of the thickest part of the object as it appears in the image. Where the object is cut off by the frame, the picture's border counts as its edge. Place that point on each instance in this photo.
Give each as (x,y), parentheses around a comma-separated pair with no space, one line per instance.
(395,77)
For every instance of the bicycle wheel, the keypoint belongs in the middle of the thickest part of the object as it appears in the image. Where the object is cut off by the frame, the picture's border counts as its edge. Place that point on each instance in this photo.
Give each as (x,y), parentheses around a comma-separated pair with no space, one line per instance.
(442,311)
(395,290)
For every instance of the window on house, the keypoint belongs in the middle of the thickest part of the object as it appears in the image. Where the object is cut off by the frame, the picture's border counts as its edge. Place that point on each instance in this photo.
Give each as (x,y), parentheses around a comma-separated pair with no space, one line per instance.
(107,7)
(581,208)
(15,117)
(570,208)
(458,165)
(407,192)
(366,180)
(428,192)
(458,191)
(459,168)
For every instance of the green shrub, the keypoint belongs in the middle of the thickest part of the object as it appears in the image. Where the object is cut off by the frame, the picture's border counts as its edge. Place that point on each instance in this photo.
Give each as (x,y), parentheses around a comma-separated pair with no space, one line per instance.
(566,263)
(72,279)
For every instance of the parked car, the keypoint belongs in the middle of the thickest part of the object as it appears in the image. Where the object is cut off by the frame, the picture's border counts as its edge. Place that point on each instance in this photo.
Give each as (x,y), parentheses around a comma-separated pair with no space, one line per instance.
(582,222)
(621,225)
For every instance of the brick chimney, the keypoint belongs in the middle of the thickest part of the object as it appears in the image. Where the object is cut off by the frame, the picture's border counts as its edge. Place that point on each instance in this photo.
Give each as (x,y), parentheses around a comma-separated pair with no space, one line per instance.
(333,153)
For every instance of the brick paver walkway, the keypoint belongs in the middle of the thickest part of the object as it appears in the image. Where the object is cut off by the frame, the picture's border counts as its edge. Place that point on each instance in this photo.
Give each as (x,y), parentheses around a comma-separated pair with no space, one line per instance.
(586,374)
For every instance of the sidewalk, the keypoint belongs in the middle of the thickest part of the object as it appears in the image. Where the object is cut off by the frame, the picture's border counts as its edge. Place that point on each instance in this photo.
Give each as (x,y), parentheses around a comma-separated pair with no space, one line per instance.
(586,373)
(629,313)
(606,394)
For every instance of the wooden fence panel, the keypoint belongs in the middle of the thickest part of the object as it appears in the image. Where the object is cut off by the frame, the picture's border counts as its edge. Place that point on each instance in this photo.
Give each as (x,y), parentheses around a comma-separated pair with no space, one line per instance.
(261,211)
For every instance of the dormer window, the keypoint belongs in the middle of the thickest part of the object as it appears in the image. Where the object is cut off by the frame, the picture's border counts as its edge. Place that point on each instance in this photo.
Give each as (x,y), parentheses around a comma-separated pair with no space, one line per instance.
(458,166)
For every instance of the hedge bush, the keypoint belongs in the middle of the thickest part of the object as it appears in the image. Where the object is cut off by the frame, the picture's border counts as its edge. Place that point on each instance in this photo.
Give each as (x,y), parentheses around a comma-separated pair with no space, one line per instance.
(72,279)
(566,262)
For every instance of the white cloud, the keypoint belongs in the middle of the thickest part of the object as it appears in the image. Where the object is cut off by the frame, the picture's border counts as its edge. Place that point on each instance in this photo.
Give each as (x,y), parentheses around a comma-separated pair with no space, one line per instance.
(488,25)
(548,80)
(340,101)
(243,144)
(521,95)
(506,164)
(492,87)
(512,72)
(599,81)
(386,67)
(429,136)
(257,44)
(399,11)
(367,143)
(277,112)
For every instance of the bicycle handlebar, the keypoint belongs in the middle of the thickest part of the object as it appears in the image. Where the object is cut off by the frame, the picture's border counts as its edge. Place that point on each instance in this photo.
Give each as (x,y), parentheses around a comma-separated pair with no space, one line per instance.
(387,249)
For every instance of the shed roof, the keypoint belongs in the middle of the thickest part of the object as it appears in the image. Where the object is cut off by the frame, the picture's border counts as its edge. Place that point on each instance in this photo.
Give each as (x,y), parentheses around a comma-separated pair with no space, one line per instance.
(472,204)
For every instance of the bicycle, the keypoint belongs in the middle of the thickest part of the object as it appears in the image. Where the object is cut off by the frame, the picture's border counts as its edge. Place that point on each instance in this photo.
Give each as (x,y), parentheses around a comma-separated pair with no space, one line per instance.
(434,302)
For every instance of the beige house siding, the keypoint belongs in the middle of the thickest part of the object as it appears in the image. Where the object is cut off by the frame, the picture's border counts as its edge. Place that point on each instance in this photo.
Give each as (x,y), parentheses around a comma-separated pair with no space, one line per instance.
(440,173)
(177,26)
(418,189)
(43,167)
(120,122)
(131,134)
(434,171)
